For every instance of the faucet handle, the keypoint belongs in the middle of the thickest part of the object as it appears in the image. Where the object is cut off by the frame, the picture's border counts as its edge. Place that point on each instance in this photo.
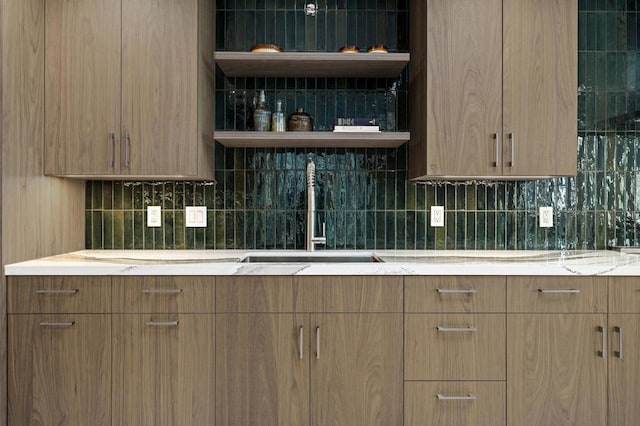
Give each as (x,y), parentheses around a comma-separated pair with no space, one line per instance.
(324,229)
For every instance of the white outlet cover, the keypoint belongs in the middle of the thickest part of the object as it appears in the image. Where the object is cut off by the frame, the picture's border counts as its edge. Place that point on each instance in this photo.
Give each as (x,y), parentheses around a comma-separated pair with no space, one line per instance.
(154,216)
(437,216)
(195,217)
(546,217)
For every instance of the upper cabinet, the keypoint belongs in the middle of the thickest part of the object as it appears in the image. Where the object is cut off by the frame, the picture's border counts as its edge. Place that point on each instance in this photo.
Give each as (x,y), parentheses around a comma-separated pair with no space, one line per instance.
(493,88)
(129,89)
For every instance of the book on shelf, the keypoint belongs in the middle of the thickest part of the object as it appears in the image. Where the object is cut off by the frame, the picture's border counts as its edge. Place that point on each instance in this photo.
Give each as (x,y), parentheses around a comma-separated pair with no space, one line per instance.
(357,129)
(357,121)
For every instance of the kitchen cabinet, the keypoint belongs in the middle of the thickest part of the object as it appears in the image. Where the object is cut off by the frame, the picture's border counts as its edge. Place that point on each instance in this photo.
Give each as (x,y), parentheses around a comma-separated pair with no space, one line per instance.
(494,88)
(129,89)
(556,351)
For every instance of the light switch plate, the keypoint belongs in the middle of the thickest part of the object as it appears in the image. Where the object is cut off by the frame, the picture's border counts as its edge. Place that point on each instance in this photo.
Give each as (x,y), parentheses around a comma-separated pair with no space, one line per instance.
(154,216)
(546,217)
(195,217)
(437,216)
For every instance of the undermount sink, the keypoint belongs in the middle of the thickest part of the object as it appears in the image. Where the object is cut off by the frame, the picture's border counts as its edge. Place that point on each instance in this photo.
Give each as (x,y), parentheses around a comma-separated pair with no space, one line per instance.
(311,258)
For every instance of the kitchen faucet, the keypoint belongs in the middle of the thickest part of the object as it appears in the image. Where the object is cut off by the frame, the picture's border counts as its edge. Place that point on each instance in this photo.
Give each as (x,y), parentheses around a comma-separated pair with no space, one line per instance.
(312,240)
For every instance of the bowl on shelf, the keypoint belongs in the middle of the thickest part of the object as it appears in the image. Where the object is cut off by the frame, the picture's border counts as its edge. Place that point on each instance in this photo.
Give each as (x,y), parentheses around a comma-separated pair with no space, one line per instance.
(261,48)
(349,49)
(378,48)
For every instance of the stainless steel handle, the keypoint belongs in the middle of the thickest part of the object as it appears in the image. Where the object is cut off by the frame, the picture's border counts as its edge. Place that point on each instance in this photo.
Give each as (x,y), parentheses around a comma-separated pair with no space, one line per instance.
(497,162)
(161,291)
(57,292)
(163,323)
(456,291)
(300,340)
(57,324)
(468,397)
(457,329)
(112,138)
(618,353)
(127,148)
(317,342)
(603,352)
(513,150)
(559,291)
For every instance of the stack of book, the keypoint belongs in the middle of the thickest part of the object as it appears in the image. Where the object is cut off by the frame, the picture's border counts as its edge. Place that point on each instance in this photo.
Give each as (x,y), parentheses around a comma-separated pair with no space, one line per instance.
(356,125)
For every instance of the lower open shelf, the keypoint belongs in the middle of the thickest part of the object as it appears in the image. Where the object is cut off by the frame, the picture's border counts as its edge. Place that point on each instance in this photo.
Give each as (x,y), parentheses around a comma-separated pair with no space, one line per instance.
(311,139)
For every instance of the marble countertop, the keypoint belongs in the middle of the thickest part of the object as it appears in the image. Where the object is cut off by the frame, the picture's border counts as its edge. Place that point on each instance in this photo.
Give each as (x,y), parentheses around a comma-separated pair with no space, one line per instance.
(409,262)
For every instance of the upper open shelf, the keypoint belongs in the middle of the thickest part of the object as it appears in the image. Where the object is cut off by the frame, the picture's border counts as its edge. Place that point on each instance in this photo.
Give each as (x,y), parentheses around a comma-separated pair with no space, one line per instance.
(311,139)
(311,64)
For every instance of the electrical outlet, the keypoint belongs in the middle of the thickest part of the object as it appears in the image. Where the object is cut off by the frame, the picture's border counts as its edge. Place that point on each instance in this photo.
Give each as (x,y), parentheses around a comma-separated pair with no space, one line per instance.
(195,217)
(154,216)
(546,217)
(437,216)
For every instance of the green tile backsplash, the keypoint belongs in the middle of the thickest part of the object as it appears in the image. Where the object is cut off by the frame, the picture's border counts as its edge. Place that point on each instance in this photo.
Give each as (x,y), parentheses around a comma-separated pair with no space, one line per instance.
(258,198)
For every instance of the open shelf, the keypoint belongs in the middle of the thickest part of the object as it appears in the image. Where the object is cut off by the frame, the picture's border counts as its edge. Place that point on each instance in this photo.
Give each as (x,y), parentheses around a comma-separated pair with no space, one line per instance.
(311,139)
(311,64)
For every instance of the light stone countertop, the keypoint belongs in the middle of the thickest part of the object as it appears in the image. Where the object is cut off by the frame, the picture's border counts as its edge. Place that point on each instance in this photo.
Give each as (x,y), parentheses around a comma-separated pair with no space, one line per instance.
(409,262)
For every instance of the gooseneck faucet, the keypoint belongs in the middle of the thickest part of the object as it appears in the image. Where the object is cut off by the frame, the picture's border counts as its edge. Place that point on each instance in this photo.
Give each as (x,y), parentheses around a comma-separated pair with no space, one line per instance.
(312,240)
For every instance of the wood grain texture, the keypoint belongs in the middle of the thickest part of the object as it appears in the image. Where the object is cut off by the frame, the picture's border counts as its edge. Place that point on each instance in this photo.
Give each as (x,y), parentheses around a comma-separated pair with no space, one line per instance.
(255,294)
(523,294)
(93,294)
(312,139)
(421,294)
(455,355)
(418,86)
(624,295)
(540,81)
(555,375)
(624,372)
(260,378)
(59,376)
(148,294)
(163,376)
(159,86)
(206,88)
(82,85)
(350,294)
(422,408)
(358,379)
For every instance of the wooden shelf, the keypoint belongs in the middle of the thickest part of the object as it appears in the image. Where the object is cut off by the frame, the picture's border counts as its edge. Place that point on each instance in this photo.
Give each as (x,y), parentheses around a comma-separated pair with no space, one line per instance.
(311,139)
(311,64)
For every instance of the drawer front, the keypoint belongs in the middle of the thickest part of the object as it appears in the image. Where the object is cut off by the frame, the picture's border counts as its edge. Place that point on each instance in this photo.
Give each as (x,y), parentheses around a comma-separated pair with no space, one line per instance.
(254,294)
(455,347)
(455,403)
(58,294)
(350,294)
(556,294)
(455,294)
(163,294)
(624,295)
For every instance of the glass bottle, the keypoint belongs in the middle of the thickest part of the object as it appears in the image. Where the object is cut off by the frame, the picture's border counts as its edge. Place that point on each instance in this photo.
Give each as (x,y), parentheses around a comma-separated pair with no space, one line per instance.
(262,115)
(277,119)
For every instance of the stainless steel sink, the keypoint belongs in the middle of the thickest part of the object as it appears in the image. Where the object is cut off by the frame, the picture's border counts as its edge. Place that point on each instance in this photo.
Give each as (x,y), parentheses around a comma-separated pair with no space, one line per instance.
(317,258)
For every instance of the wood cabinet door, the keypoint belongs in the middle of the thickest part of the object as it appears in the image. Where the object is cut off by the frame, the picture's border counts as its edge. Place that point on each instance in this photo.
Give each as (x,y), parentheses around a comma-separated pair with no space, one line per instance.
(262,370)
(464,87)
(556,371)
(624,370)
(356,369)
(540,87)
(82,86)
(159,85)
(59,370)
(163,369)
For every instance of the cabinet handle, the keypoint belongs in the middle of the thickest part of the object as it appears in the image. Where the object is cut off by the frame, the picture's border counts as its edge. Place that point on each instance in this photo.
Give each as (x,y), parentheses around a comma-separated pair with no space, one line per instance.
(163,323)
(456,329)
(603,352)
(57,292)
(513,150)
(559,291)
(160,291)
(497,162)
(618,353)
(127,148)
(112,139)
(57,324)
(317,342)
(468,397)
(456,291)
(300,340)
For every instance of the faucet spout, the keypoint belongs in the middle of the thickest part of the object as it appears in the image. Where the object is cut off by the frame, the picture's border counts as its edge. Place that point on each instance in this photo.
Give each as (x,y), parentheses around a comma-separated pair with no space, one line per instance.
(312,240)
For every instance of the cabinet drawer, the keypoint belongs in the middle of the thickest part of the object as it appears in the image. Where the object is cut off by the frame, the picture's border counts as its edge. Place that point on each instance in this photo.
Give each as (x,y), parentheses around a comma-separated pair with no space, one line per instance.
(556,294)
(455,347)
(58,294)
(170,294)
(455,294)
(255,294)
(455,403)
(624,295)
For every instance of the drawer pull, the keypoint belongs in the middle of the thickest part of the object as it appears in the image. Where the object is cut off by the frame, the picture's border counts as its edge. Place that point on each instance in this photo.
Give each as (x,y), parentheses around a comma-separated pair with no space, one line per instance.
(160,291)
(300,341)
(57,292)
(317,342)
(468,397)
(456,329)
(456,291)
(163,323)
(603,352)
(57,324)
(618,353)
(559,291)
